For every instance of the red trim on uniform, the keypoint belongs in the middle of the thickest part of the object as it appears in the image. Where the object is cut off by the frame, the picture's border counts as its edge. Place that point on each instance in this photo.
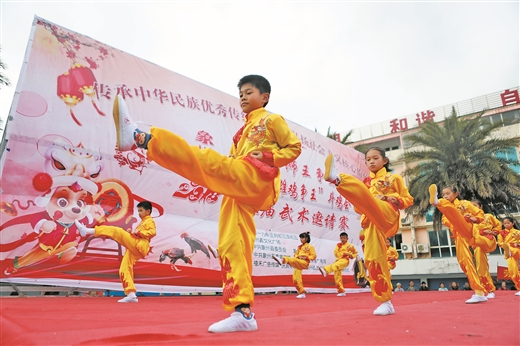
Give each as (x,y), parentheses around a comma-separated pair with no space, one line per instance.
(267,172)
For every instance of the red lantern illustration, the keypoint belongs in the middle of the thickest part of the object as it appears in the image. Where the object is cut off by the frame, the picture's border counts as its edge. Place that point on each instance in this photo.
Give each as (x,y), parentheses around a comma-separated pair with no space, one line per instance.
(69,93)
(85,80)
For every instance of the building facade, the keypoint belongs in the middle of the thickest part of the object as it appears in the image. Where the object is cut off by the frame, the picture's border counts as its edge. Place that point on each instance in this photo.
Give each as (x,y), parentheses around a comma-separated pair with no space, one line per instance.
(426,255)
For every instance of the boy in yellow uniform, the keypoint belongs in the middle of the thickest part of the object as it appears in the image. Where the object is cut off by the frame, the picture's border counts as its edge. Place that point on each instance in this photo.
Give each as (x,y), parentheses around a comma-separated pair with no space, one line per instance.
(459,216)
(485,242)
(303,256)
(248,178)
(137,244)
(344,252)
(509,240)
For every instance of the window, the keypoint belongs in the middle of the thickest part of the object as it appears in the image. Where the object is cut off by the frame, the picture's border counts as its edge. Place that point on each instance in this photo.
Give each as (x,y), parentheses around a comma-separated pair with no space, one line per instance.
(396,243)
(429,215)
(510,154)
(511,117)
(441,244)
(508,118)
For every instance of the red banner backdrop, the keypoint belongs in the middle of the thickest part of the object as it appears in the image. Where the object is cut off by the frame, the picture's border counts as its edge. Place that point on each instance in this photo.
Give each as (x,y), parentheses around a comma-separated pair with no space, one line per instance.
(61,146)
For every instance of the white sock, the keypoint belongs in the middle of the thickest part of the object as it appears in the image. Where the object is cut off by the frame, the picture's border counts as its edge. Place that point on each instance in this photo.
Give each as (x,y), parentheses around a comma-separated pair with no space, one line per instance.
(131,295)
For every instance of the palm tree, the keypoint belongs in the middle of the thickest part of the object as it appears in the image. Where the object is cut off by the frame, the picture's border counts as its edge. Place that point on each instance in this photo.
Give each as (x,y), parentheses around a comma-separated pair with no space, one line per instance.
(462,152)
(344,140)
(3,79)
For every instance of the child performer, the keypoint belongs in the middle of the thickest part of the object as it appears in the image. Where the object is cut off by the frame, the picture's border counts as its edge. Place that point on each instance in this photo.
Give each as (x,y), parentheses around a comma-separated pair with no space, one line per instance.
(485,242)
(137,244)
(391,254)
(344,252)
(459,216)
(301,260)
(379,206)
(248,179)
(509,240)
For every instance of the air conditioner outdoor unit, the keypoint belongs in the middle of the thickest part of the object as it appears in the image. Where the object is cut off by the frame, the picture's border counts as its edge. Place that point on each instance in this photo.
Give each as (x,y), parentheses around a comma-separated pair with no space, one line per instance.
(422,248)
(406,247)
(405,221)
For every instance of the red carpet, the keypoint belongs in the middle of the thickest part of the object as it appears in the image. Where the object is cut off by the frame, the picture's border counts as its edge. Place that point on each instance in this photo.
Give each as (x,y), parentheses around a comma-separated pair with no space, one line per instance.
(422,318)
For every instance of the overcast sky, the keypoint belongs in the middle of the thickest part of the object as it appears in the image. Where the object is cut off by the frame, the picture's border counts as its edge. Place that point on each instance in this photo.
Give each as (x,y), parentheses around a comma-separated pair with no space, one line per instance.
(337,64)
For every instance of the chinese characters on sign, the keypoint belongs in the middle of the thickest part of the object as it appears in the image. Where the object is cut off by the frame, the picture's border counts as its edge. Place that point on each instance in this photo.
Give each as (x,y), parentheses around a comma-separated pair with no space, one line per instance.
(402,124)
(509,97)
(189,102)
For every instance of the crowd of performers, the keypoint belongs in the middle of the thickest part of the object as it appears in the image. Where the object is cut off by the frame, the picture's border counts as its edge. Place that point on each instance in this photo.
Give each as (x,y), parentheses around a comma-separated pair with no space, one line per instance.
(249,180)
(378,199)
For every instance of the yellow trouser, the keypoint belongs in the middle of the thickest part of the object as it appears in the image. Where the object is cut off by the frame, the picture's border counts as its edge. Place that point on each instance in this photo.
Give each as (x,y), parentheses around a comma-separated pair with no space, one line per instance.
(298,265)
(337,267)
(463,233)
(131,256)
(482,247)
(383,222)
(245,192)
(512,266)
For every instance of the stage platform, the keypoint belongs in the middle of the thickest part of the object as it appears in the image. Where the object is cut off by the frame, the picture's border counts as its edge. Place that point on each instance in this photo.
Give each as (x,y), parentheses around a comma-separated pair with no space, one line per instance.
(421,318)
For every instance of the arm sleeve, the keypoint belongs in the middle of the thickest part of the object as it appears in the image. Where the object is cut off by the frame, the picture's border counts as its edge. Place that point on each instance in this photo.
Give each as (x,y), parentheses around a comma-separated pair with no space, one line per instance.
(289,145)
(497,225)
(232,150)
(405,199)
(353,251)
(312,254)
(146,230)
(337,252)
(476,212)
(500,239)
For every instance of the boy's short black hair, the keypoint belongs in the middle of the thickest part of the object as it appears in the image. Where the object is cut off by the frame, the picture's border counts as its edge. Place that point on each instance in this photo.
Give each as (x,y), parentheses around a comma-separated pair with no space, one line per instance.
(259,82)
(145,205)
(343,234)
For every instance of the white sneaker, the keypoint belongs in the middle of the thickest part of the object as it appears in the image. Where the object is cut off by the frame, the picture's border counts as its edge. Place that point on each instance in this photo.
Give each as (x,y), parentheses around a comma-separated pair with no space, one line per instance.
(300,296)
(330,171)
(128,299)
(83,230)
(384,309)
(213,251)
(277,260)
(433,194)
(342,294)
(125,126)
(490,295)
(476,299)
(237,322)
(322,271)
(517,293)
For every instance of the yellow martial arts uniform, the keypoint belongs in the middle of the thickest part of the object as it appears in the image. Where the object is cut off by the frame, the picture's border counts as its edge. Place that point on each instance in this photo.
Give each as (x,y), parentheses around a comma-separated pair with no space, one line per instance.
(301,260)
(484,244)
(246,183)
(343,253)
(392,256)
(137,246)
(463,234)
(380,220)
(510,239)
